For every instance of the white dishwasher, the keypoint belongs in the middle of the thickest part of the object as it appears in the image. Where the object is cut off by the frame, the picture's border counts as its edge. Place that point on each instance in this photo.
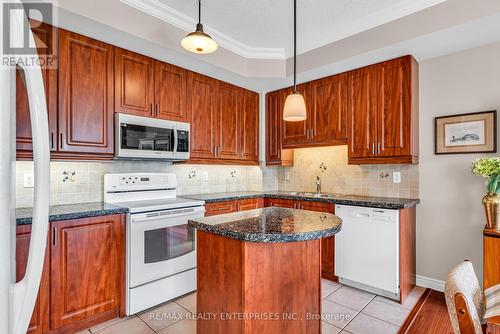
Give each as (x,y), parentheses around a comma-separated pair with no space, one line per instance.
(367,249)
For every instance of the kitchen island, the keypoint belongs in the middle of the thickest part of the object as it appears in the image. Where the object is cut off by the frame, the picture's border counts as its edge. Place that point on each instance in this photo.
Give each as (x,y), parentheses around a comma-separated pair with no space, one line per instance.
(259,271)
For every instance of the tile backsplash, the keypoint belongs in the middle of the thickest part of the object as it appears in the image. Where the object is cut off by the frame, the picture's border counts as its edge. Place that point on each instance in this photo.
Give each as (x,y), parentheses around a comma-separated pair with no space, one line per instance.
(330,164)
(78,182)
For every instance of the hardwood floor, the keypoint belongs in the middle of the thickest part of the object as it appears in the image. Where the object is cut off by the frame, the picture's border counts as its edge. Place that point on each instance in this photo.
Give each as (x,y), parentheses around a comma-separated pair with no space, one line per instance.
(429,316)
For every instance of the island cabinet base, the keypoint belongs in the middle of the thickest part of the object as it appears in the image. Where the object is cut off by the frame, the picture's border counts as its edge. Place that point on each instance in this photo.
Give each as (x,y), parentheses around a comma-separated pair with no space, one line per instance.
(252,287)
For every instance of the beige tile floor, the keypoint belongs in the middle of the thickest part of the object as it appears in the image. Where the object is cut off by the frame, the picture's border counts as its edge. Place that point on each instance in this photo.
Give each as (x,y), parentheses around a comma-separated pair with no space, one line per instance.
(345,310)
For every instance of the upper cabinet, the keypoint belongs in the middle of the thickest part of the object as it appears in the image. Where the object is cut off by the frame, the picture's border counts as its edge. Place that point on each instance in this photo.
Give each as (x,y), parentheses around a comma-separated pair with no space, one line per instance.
(372,109)
(149,87)
(383,112)
(85,95)
(224,122)
(134,83)
(275,155)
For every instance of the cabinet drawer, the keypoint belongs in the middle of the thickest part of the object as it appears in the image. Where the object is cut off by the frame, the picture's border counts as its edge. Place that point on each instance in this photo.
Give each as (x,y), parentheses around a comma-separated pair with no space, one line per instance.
(220,208)
(282,203)
(250,204)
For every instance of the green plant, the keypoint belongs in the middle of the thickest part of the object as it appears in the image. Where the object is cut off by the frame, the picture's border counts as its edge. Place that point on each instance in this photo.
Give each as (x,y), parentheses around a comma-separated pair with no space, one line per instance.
(488,168)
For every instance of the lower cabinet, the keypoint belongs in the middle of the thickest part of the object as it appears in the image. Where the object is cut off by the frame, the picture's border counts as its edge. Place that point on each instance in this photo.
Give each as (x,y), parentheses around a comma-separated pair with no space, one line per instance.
(219,208)
(84,272)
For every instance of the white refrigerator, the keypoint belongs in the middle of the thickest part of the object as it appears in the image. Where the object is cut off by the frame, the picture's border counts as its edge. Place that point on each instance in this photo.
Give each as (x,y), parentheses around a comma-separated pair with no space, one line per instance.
(17,300)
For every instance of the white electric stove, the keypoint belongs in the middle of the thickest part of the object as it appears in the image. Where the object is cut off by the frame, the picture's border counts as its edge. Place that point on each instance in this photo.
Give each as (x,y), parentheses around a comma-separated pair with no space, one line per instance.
(161,253)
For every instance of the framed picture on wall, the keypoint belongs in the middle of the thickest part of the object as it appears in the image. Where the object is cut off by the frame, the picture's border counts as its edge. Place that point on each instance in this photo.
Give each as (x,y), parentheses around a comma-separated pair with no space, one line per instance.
(466,133)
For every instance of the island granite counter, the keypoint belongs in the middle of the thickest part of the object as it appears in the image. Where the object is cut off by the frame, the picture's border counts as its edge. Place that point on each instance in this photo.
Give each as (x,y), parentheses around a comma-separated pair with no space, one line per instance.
(259,271)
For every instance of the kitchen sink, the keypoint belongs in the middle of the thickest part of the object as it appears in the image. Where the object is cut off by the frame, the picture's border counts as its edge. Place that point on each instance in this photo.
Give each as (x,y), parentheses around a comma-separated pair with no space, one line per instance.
(307,194)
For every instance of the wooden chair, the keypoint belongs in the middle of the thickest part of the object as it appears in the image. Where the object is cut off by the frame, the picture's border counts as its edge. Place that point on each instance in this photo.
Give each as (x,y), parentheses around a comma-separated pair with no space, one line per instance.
(464,299)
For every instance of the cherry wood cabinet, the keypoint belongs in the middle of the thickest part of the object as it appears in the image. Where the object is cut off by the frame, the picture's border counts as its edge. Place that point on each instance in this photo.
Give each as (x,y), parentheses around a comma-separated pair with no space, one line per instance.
(275,155)
(170,92)
(203,113)
(383,112)
(218,208)
(249,126)
(250,204)
(228,122)
(40,319)
(328,122)
(87,271)
(297,133)
(43,33)
(85,95)
(134,83)
(491,258)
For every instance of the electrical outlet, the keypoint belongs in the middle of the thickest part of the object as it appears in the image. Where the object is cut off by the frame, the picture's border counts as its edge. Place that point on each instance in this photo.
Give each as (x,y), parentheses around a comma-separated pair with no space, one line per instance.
(29,181)
(287,175)
(396,177)
(205,176)
(69,176)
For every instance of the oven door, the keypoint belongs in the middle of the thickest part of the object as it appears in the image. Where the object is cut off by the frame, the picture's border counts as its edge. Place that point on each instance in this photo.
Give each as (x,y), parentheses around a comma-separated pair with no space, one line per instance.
(161,244)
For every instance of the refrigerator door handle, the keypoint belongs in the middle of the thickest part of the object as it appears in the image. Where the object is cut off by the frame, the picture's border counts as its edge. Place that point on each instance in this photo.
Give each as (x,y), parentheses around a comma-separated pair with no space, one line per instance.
(24,293)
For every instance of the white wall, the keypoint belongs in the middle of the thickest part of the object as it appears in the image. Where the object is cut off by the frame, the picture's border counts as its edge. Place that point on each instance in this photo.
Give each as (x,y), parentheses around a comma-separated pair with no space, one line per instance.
(450,218)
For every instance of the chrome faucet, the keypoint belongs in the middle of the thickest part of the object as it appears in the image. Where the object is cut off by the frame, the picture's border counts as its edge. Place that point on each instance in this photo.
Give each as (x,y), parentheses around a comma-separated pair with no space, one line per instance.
(318,185)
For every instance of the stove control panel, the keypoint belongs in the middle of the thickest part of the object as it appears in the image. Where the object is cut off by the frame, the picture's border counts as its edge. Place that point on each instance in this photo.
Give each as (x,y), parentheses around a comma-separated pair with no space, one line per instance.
(139,181)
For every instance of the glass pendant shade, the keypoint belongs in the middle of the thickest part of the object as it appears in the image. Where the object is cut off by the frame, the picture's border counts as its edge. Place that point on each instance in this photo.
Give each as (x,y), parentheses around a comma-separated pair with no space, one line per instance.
(199,42)
(295,108)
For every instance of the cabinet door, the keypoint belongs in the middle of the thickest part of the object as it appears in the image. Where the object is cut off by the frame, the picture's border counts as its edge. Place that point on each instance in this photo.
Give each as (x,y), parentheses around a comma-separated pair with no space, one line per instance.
(228,122)
(275,155)
(202,115)
(282,203)
(40,319)
(134,85)
(362,112)
(170,87)
(327,244)
(394,108)
(219,208)
(85,94)
(249,129)
(329,113)
(250,204)
(24,143)
(86,269)
(296,133)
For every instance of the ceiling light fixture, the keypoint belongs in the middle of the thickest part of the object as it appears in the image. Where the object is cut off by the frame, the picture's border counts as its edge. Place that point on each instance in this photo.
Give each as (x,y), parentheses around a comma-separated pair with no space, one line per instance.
(295,106)
(198,41)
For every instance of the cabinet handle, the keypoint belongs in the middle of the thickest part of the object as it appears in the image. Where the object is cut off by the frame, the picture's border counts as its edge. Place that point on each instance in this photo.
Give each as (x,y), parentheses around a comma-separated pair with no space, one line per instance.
(378,149)
(52,140)
(54,236)
(151,109)
(373,148)
(61,139)
(157,112)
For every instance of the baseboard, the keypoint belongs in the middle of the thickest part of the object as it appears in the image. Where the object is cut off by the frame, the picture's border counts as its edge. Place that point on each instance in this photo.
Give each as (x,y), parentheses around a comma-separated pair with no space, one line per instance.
(430,283)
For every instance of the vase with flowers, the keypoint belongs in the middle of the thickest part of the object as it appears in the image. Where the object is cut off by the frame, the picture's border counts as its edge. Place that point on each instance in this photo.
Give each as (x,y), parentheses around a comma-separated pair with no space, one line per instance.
(489,168)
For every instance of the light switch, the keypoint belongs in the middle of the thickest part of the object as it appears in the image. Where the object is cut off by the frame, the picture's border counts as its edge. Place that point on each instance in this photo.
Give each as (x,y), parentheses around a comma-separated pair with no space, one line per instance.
(396,177)
(205,176)
(29,181)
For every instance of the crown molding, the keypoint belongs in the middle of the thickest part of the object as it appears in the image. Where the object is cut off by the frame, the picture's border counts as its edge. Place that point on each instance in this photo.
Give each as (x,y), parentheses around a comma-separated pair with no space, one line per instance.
(166,13)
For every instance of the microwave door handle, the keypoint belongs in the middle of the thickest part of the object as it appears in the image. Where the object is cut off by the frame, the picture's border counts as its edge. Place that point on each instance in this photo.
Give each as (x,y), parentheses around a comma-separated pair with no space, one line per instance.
(176,139)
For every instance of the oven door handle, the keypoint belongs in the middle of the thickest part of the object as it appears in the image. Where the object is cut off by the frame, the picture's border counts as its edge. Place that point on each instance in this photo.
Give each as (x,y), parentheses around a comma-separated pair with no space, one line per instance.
(149,217)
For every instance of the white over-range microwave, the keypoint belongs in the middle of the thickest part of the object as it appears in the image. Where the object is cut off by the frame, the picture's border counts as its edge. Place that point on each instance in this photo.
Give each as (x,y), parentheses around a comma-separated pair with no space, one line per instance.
(150,138)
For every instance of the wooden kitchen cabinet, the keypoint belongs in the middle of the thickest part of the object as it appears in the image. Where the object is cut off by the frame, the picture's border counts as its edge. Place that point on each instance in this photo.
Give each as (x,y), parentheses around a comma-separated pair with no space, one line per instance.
(40,319)
(134,83)
(170,92)
(328,122)
(87,268)
(219,208)
(281,203)
(85,96)
(275,155)
(250,204)
(383,112)
(491,258)
(228,122)
(46,45)
(249,126)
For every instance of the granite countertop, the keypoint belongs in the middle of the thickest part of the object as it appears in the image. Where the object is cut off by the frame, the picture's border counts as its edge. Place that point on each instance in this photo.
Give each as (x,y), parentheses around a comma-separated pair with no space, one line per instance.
(71,211)
(271,225)
(355,200)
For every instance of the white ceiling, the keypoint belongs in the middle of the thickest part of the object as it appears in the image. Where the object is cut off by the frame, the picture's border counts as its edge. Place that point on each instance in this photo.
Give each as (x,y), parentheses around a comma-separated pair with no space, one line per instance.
(264,28)
(334,35)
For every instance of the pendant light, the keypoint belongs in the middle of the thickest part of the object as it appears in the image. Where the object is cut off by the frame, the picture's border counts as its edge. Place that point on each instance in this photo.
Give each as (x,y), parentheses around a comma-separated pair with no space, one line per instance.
(295,106)
(198,41)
